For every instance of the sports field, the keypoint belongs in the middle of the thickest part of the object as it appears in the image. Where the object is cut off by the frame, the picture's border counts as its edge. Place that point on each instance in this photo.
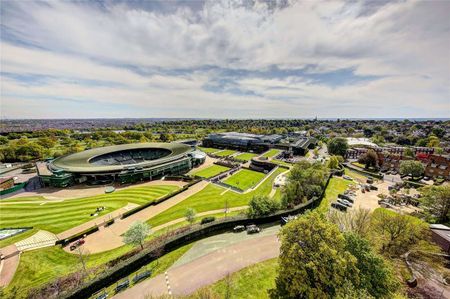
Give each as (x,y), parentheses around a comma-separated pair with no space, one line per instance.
(271,153)
(208,150)
(245,179)
(211,171)
(245,156)
(225,153)
(213,197)
(59,216)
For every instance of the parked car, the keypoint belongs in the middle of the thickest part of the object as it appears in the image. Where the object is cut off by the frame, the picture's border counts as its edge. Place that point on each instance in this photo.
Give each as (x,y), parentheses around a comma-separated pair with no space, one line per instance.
(252,229)
(238,228)
(77,244)
(345,203)
(372,187)
(346,197)
(369,180)
(339,206)
(285,220)
(347,177)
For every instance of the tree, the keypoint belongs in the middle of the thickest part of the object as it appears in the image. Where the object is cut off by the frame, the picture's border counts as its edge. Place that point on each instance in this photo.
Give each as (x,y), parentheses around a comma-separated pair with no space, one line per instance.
(261,205)
(338,146)
(356,221)
(369,159)
(433,141)
(375,275)
(436,199)
(408,152)
(397,233)
(413,168)
(333,163)
(313,261)
(137,233)
(190,215)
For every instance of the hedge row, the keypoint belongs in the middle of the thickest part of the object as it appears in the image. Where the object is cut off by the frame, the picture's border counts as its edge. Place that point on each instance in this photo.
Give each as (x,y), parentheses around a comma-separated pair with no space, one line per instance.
(160,200)
(160,246)
(77,236)
(363,172)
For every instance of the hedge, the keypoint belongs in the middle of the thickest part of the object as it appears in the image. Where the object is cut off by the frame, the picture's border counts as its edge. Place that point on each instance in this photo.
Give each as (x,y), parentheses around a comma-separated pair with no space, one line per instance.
(75,237)
(157,247)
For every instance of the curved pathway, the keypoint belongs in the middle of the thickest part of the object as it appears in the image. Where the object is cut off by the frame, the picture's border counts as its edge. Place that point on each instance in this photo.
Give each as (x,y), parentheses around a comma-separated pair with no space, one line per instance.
(187,278)
(108,238)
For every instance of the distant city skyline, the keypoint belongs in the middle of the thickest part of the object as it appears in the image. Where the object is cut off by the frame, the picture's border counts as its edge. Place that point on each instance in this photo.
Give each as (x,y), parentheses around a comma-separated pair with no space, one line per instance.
(225,59)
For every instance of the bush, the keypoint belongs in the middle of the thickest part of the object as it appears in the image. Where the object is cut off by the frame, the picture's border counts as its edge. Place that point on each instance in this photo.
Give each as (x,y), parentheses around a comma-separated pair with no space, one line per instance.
(207,220)
(262,206)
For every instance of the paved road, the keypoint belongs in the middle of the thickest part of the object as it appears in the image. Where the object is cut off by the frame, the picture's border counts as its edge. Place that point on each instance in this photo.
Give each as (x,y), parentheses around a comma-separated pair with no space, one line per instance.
(187,278)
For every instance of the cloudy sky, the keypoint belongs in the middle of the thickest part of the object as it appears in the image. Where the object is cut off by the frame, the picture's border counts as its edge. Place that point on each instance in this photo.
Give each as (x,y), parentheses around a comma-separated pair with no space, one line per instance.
(225,59)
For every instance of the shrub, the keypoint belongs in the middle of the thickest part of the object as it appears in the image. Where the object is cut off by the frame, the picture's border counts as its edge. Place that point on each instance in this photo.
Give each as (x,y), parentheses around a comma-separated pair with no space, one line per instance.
(207,220)
(262,206)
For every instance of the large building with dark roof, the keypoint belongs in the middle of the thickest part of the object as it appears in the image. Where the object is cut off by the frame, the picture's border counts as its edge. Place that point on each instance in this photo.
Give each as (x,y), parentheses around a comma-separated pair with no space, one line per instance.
(126,163)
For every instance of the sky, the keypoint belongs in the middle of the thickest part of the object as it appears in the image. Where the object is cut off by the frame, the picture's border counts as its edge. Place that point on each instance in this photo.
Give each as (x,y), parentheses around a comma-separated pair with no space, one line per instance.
(225,59)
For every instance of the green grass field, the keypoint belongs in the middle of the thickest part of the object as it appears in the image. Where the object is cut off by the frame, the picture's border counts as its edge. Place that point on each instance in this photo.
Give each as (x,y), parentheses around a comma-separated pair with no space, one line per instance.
(57,217)
(252,282)
(245,156)
(208,150)
(211,171)
(213,197)
(271,153)
(245,179)
(225,153)
(336,185)
(282,163)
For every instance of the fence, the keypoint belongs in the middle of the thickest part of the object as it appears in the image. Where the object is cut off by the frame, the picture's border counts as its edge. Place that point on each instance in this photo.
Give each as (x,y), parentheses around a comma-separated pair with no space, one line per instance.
(167,243)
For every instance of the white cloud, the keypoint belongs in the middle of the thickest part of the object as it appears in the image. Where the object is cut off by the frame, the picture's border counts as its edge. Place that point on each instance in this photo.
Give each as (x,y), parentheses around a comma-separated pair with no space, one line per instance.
(405,44)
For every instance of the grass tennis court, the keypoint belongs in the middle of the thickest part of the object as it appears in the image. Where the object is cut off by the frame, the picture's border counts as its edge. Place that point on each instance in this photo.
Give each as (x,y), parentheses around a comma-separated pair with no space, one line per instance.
(57,217)
(271,153)
(208,150)
(213,197)
(245,156)
(211,171)
(245,179)
(225,153)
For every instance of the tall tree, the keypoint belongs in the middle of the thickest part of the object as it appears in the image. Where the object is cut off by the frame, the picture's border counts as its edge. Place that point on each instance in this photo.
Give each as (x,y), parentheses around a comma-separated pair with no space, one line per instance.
(369,159)
(338,146)
(436,199)
(413,168)
(313,261)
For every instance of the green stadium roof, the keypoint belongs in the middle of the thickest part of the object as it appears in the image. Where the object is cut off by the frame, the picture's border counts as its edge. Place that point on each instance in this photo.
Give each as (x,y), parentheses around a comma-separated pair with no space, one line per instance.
(79,162)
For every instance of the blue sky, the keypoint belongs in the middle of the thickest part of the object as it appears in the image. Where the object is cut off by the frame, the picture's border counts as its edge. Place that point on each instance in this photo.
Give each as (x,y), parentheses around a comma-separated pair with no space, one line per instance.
(235,59)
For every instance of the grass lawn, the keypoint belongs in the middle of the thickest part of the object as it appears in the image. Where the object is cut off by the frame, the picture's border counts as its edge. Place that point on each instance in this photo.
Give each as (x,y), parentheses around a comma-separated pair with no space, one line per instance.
(225,153)
(282,163)
(245,156)
(356,175)
(252,282)
(335,186)
(211,171)
(271,153)
(245,179)
(57,217)
(212,197)
(208,150)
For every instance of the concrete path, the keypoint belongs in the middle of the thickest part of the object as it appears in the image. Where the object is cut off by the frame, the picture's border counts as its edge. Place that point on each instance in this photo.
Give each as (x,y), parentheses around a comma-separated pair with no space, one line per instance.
(189,277)
(40,239)
(170,223)
(108,238)
(8,266)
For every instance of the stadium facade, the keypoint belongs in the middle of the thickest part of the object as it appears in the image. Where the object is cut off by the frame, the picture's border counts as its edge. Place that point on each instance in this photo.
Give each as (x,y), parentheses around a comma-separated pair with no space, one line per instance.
(297,145)
(126,163)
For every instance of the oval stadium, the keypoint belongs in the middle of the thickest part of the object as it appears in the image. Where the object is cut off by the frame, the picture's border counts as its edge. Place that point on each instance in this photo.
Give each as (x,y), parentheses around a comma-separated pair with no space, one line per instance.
(126,163)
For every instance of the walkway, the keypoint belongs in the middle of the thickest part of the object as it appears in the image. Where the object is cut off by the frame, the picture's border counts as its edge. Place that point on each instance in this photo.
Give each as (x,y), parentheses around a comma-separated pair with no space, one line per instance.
(189,277)
(40,239)
(108,238)
(9,265)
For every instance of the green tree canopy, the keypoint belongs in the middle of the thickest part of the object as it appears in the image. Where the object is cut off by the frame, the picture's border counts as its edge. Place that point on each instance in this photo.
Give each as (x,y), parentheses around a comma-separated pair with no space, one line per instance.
(338,146)
(436,200)
(313,262)
(136,234)
(413,168)
(261,205)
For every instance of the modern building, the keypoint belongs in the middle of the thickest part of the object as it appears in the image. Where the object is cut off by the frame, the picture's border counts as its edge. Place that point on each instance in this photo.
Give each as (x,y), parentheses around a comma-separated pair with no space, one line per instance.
(241,141)
(440,234)
(298,145)
(127,163)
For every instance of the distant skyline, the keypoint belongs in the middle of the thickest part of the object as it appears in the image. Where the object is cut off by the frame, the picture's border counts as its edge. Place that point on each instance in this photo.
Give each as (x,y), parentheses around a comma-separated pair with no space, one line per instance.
(225,59)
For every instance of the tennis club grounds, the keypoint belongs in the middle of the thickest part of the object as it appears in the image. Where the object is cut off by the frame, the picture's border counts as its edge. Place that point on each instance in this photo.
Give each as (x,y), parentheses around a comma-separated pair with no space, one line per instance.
(244,179)
(245,156)
(211,171)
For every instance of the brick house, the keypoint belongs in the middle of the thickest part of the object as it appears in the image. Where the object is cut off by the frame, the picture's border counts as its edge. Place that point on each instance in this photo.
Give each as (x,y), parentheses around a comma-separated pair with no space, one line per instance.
(438,166)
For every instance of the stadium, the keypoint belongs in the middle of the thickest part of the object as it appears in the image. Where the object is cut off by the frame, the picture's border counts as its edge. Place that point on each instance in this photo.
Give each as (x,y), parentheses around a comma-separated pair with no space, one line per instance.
(127,163)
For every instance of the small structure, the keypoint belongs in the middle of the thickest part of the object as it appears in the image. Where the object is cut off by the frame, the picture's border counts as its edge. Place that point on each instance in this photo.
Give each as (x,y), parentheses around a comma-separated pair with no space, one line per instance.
(440,234)
(6,183)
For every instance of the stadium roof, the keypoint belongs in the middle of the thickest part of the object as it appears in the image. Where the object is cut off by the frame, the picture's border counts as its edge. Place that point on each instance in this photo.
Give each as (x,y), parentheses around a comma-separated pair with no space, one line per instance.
(79,162)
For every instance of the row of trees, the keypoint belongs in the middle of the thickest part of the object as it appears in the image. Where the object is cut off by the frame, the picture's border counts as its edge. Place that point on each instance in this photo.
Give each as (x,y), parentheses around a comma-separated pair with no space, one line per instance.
(346,255)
